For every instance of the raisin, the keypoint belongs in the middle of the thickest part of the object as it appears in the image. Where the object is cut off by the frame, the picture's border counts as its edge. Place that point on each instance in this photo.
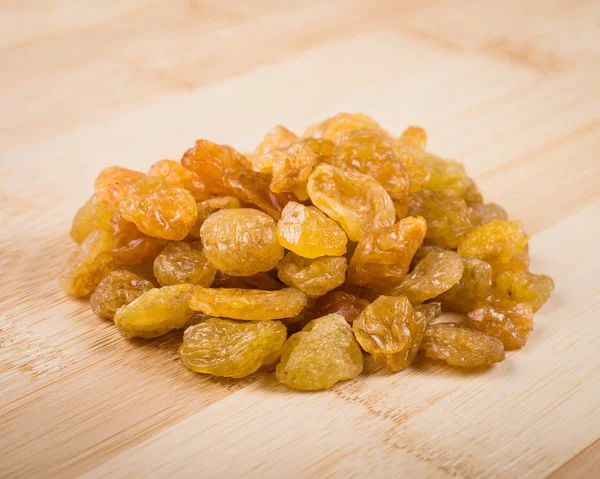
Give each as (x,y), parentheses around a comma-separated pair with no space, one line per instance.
(334,127)
(448,176)
(247,304)
(155,313)
(129,245)
(449,218)
(484,213)
(176,174)
(428,312)
(277,137)
(88,265)
(306,231)
(93,215)
(358,202)
(340,302)
(524,287)
(418,175)
(208,207)
(291,167)
(321,147)
(414,136)
(313,276)
(389,331)
(320,355)
(460,346)
(433,275)
(474,285)
(113,183)
(382,258)
(211,161)
(498,243)
(159,209)
(181,262)
(222,347)
(118,288)
(253,188)
(371,152)
(509,321)
(241,241)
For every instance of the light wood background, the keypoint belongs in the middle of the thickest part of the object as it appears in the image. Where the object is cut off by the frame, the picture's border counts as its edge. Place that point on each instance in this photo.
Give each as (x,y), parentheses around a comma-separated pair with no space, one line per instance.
(512,89)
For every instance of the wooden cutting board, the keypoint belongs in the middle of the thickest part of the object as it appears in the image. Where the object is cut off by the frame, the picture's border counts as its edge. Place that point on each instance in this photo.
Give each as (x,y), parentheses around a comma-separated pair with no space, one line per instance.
(512,90)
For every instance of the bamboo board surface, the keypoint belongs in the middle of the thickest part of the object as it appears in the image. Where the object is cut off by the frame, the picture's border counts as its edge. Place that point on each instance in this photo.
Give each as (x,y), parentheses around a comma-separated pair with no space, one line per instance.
(512,90)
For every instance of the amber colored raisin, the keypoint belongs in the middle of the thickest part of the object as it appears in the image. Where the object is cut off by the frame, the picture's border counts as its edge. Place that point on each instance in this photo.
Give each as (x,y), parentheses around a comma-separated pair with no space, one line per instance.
(241,241)
(208,207)
(155,313)
(222,347)
(247,304)
(418,175)
(88,265)
(118,288)
(313,276)
(306,231)
(159,209)
(474,285)
(509,321)
(334,127)
(93,215)
(484,213)
(181,262)
(252,187)
(449,218)
(211,161)
(524,287)
(358,202)
(321,147)
(382,258)
(428,312)
(340,302)
(450,177)
(277,137)
(176,174)
(291,167)
(414,136)
(320,355)
(130,245)
(497,243)
(113,183)
(371,152)
(459,346)
(389,331)
(433,275)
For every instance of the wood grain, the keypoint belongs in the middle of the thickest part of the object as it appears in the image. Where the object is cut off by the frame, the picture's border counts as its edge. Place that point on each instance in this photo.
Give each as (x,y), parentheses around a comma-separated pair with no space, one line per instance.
(510,90)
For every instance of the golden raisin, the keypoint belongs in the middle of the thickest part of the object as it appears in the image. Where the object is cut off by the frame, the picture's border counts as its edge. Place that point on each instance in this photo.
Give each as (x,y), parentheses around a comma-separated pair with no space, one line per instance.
(113,183)
(382,258)
(88,265)
(484,213)
(181,262)
(524,287)
(222,347)
(458,346)
(93,215)
(340,302)
(306,231)
(241,241)
(474,285)
(334,127)
(247,304)
(389,331)
(211,161)
(208,207)
(428,312)
(130,245)
(414,136)
(118,288)
(358,202)
(320,355)
(155,313)
(176,174)
(313,276)
(277,137)
(509,321)
(291,167)
(159,209)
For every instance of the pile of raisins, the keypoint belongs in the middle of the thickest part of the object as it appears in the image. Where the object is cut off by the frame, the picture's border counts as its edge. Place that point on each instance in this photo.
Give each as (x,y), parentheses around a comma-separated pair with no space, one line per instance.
(307,253)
